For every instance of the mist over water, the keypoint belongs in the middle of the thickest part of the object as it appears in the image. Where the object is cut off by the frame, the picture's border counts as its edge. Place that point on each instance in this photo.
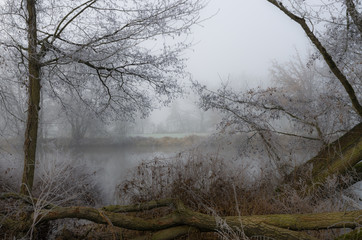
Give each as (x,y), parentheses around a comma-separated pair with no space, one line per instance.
(106,166)
(112,164)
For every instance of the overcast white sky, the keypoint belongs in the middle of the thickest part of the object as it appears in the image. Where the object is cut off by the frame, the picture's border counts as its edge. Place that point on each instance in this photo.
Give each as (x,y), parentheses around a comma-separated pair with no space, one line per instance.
(242,39)
(239,43)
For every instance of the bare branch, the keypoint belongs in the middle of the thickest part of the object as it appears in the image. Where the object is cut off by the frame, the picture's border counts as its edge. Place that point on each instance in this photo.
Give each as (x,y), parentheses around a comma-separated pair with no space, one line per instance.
(59,30)
(327,57)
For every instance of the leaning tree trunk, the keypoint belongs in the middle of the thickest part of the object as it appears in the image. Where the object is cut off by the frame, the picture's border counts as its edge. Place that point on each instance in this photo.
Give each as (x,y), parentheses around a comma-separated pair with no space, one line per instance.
(31,132)
(335,159)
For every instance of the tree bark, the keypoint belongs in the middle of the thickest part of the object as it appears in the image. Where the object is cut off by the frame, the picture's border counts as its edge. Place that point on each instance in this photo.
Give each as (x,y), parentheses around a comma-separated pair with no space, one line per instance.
(355,15)
(337,158)
(31,132)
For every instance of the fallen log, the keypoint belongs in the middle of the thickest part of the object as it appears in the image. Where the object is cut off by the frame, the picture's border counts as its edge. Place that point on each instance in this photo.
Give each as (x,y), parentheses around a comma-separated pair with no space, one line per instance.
(183,220)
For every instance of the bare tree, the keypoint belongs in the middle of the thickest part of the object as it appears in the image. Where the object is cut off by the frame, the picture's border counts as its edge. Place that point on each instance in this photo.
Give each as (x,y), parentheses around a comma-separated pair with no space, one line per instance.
(119,53)
(308,104)
(308,15)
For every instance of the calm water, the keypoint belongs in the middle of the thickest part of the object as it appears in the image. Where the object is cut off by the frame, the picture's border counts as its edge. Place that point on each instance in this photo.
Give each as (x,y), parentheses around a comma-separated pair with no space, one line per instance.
(109,165)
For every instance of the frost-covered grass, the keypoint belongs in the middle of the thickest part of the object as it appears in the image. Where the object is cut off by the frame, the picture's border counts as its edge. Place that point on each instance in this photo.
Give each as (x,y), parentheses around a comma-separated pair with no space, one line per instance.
(210,184)
(207,181)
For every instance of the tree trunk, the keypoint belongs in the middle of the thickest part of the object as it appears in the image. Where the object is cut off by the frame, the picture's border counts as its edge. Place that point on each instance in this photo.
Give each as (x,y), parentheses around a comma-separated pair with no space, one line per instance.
(355,15)
(31,132)
(335,159)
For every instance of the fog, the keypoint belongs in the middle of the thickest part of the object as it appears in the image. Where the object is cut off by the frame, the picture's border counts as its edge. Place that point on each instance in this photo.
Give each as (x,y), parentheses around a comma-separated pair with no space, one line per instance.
(236,42)
(177,118)
(242,38)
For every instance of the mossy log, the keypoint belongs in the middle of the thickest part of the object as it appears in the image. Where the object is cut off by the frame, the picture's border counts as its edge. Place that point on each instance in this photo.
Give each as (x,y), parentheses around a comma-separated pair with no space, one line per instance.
(182,220)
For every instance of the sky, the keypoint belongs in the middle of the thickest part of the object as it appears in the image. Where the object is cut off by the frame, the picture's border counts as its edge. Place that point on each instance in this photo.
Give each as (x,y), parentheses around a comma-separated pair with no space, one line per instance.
(239,42)
(242,39)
